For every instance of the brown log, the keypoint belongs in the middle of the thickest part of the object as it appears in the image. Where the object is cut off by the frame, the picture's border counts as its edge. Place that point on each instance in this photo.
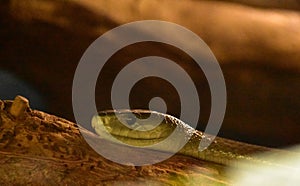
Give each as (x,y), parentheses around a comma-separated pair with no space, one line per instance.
(234,32)
(281,4)
(42,149)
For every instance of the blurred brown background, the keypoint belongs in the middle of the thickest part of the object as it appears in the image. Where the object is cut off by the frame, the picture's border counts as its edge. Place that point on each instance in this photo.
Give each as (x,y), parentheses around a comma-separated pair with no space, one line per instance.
(257,45)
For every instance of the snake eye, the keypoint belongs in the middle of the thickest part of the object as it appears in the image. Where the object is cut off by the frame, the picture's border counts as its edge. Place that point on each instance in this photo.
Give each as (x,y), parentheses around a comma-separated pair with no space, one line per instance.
(130,120)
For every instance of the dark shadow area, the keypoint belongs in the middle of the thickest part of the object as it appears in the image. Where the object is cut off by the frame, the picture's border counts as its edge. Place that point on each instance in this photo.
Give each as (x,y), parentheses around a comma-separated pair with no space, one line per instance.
(45,54)
(43,50)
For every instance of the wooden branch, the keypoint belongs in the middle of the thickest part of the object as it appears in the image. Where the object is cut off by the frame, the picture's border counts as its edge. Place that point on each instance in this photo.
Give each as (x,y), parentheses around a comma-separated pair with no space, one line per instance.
(41,149)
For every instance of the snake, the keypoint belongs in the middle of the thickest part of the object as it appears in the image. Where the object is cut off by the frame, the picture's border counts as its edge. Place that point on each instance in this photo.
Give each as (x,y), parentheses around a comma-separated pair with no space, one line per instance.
(124,127)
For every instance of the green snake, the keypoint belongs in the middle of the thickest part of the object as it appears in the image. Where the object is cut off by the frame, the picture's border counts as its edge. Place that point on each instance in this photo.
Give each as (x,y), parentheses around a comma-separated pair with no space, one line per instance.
(221,150)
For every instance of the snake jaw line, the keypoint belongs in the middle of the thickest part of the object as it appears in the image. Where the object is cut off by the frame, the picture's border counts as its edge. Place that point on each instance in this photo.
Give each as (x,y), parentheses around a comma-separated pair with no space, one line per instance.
(219,150)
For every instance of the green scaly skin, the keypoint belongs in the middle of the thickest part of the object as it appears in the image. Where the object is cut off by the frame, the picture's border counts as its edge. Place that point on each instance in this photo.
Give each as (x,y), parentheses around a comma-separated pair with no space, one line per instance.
(221,150)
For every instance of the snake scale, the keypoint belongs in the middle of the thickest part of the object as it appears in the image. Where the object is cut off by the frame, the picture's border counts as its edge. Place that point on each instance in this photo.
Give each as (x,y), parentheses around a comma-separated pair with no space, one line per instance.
(221,150)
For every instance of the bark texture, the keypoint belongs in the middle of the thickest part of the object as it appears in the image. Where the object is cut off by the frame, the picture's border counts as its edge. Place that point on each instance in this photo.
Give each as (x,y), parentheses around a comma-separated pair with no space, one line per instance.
(41,149)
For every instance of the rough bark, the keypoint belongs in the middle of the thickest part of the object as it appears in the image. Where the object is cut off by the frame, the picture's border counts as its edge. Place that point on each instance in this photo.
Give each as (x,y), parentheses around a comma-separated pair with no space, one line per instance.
(41,149)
